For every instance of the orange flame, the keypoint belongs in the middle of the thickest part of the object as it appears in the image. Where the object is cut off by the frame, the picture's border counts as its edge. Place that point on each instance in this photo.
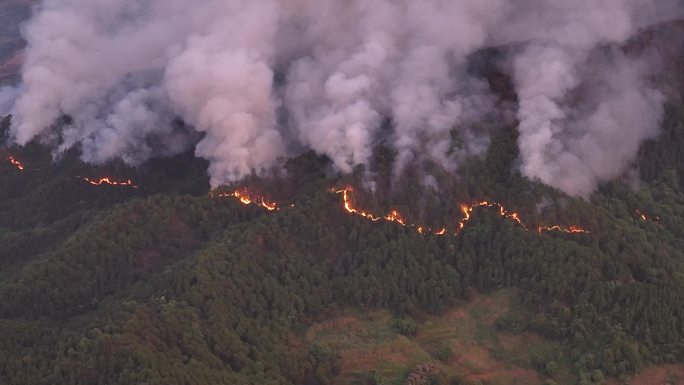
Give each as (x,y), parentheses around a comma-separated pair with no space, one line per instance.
(110,182)
(645,217)
(395,216)
(16,163)
(349,205)
(467,210)
(247,198)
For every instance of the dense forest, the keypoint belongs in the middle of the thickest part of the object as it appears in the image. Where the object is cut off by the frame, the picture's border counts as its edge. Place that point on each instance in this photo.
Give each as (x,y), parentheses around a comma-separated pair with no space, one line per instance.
(166,284)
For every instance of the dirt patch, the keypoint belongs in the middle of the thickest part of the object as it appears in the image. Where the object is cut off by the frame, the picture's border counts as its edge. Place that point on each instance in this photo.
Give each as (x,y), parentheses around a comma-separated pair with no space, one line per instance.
(508,377)
(473,359)
(519,342)
(457,314)
(372,358)
(475,363)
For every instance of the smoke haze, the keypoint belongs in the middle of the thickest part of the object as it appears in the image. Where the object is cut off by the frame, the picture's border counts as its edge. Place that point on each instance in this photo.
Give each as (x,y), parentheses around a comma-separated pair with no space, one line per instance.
(260,80)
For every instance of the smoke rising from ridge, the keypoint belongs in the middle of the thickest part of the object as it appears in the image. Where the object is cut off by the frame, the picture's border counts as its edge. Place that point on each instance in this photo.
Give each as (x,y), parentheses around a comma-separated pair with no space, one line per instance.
(261,79)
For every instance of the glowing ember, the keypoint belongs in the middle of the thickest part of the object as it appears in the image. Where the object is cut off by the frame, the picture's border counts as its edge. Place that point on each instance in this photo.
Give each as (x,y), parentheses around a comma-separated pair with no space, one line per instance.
(16,163)
(247,198)
(646,218)
(569,229)
(110,182)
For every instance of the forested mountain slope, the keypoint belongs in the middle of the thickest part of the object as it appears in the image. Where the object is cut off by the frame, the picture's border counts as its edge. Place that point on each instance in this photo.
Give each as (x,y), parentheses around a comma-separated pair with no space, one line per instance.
(120,285)
(166,284)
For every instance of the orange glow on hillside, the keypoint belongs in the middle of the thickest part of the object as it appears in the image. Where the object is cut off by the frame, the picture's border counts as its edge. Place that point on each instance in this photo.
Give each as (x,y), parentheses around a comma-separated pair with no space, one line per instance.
(645,217)
(395,216)
(248,198)
(107,181)
(15,163)
(347,199)
(466,210)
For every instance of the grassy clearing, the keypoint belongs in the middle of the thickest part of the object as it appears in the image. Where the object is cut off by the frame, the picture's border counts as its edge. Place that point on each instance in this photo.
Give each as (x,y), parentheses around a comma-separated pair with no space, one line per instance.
(462,342)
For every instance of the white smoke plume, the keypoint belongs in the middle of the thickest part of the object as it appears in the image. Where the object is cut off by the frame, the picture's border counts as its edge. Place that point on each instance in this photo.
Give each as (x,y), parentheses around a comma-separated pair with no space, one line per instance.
(575,144)
(260,80)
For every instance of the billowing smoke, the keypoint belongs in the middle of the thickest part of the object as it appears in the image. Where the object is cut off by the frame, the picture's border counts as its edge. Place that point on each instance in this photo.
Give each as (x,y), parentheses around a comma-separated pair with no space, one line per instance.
(583,113)
(574,145)
(260,80)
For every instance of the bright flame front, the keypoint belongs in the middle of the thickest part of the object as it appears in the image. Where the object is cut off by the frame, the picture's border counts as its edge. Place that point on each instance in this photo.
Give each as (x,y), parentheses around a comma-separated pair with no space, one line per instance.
(107,181)
(248,198)
(14,162)
(467,211)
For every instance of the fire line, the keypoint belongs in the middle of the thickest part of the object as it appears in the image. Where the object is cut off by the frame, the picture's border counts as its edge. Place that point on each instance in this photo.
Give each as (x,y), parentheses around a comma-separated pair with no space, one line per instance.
(14,162)
(466,210)
(246,197)
(110,182)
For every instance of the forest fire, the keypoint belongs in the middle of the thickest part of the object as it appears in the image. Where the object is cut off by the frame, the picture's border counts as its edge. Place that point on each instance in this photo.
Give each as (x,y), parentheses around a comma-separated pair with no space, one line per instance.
(646,218)
(14,162)
(395,216)
(248,198)
(467,210)
(349,205)
(107,181)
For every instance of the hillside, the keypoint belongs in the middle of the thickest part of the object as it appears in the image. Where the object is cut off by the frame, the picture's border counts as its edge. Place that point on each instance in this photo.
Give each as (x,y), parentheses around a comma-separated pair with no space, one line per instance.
(163,284)
(149,277)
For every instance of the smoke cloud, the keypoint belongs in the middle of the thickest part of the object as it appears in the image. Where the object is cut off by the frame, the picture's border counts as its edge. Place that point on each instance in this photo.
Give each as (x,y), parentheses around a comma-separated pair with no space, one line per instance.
(260,80)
